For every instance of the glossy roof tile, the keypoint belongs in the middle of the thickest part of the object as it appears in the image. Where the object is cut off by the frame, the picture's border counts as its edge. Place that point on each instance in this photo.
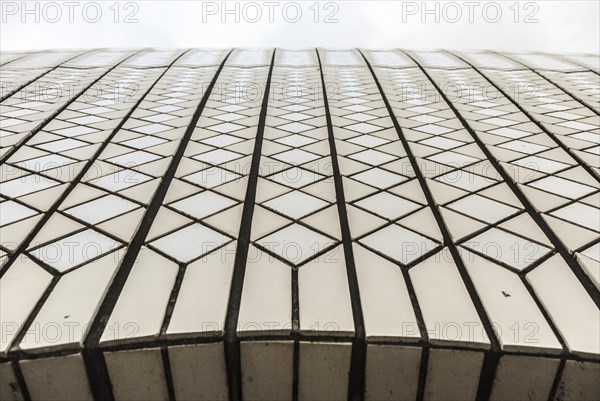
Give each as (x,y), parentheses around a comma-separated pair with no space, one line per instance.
(299,224)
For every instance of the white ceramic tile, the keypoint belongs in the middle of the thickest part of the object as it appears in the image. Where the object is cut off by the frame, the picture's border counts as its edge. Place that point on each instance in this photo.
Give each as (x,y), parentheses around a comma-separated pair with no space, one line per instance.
(295,243)
(101,209)
(507,248)
(20,289)
(75,250)
(579,213)
(399,243)
(296,177)
(26,185)
(201,304)
(447,308)
(11,211)
(296,204)
(133,159)
(71,305)
(140,309)
(266,305)
(379,178)
(574,313)
(324,295)
(120,180)
(190,242)
(563,187)
(482,208)
(212,177)
(386,305)
(465,180)
(387,205)
(518,322)
(203,204)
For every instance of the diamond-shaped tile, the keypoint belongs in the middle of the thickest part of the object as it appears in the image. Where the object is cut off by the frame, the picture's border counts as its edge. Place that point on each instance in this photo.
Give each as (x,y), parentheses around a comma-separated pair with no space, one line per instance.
(221,140)
(295,127)
(26,185)
(133,159)
(120,180)
(143,142)
(296,156)
(368,141)
(11,211)
(296,140)
(379,178)
(62,145)
(203,204)
(211,177)
(229,117)
(226,128)
(45,162)
(399,243)
(296,116)
(388,205)
(101,209)
(482,208)
(295,243)
(75,250)
(507,248)
(190,242)
(433,129)
(465,180)
(372,157)
(360,117)
(296,204)
(296,177)
(152,129)
(442,143)
(217,156)
(363,128)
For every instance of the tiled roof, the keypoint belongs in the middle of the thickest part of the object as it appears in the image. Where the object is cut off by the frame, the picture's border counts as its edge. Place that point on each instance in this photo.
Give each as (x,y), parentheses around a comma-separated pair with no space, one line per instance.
(271,224)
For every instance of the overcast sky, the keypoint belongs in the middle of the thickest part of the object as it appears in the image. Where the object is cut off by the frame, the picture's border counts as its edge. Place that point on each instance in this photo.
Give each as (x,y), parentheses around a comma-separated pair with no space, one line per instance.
(555,26)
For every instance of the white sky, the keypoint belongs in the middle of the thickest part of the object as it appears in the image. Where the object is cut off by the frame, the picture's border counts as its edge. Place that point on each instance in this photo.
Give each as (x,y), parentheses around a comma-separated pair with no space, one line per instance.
(563,26)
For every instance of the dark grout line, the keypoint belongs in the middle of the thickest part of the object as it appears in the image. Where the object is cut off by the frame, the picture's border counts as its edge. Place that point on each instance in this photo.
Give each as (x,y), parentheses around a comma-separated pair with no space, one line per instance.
(57,112)
(562,88)
(164,353)
(489,368)
(232,342)
(21,380)
(552,136)
(25,84)
(93,354)
(53,209)
(356,382)
(529,207)
(553,396)
(76,180)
